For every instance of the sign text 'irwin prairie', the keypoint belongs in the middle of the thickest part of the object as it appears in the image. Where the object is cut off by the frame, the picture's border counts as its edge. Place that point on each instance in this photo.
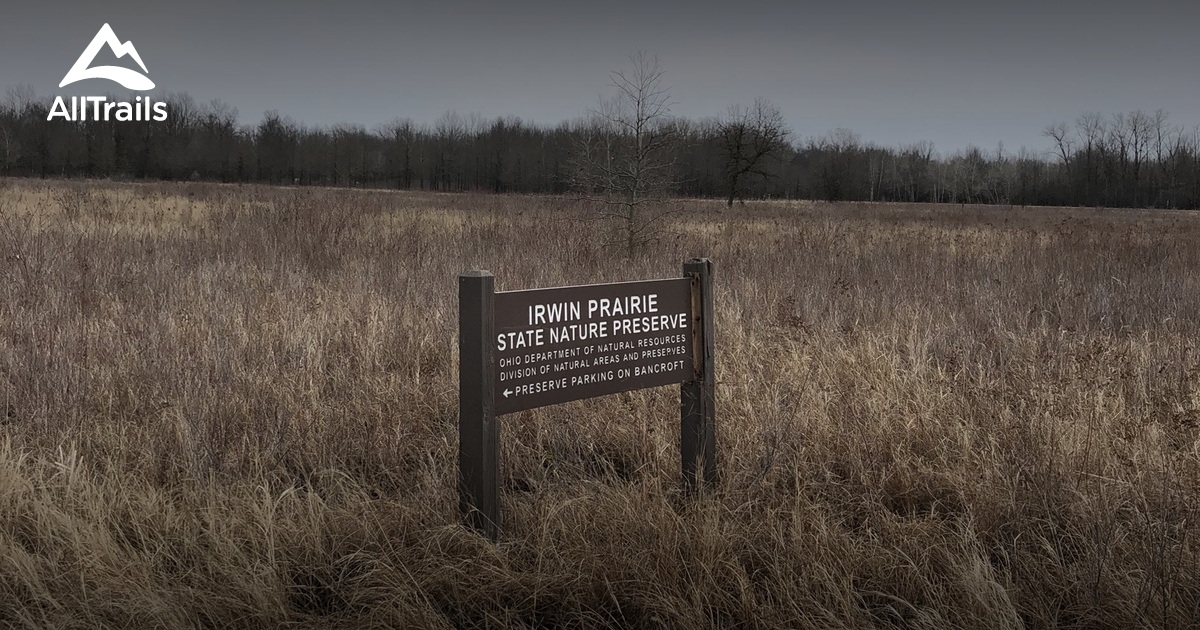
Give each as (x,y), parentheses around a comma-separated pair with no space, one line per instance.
(568,343)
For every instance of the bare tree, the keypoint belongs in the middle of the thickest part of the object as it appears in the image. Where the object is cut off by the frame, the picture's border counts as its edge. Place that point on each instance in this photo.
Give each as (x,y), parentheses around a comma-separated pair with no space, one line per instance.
(20,98)
(1091,130)
(451,134)
(400,135)
(749,136)
(217,130)
(913,166)
(1063,143)
(10,151)
(19,101)
(624,157)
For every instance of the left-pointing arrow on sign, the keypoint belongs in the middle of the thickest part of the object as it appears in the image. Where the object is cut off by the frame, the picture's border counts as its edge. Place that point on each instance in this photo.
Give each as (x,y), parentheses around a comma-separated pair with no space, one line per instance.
(507,393)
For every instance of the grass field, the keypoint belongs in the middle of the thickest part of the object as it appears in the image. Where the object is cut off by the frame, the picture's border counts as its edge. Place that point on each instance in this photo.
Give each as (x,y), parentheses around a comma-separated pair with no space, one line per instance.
(236,407)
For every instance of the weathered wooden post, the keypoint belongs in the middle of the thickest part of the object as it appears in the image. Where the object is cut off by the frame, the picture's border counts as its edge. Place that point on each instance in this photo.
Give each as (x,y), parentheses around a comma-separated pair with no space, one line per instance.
(478,431)
(697,413)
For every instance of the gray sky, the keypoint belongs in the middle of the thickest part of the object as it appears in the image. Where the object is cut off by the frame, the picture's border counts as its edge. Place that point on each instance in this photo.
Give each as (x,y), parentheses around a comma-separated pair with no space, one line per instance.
(950,72)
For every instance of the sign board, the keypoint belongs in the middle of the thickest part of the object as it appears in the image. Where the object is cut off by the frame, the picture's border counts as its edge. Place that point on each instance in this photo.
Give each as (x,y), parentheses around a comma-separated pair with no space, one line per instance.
(567,343)
(524,349)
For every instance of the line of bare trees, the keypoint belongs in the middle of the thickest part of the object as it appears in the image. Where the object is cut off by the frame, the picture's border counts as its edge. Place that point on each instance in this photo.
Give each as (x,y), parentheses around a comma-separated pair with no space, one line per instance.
(1131,159)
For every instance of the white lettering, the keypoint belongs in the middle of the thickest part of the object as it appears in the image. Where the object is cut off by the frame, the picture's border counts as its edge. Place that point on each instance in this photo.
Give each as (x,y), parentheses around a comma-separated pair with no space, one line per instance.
(59,108)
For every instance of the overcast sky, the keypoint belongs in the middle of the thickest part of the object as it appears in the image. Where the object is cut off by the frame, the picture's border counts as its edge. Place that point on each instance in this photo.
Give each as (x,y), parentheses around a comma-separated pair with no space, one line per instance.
(896,72)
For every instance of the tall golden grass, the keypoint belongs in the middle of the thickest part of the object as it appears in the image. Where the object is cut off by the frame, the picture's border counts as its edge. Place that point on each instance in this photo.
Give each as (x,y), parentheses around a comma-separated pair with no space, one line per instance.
(236,407)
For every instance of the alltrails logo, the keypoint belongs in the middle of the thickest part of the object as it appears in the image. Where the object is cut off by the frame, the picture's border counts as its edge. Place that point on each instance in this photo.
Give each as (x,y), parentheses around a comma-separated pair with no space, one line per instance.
(98,106)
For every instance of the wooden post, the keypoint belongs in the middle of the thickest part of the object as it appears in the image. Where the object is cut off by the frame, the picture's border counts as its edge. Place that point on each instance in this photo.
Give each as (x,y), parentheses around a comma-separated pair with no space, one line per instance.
(478,431)
(697,414)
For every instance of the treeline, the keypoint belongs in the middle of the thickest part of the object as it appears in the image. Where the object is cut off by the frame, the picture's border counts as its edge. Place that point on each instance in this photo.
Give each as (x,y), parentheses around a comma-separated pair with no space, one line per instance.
(1137,159)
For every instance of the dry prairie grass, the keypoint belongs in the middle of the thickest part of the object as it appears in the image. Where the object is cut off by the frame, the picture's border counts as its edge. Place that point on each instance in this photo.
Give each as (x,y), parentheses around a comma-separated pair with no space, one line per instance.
(236,407)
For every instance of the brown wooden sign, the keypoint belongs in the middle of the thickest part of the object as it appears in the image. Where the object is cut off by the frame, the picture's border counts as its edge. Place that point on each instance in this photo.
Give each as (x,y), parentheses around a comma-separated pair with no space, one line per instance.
(523,349)
(567,343)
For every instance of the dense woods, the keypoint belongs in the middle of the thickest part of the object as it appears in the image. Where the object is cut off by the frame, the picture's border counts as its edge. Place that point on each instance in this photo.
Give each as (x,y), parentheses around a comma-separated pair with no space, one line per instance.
(1133,159)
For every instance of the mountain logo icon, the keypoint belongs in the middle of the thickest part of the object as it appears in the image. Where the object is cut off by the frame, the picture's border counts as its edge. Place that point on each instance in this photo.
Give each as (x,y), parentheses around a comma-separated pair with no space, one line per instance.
(129,78)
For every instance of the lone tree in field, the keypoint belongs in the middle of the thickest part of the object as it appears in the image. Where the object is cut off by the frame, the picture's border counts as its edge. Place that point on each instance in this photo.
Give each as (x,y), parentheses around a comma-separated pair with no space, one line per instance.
(624,157)
(749,136)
